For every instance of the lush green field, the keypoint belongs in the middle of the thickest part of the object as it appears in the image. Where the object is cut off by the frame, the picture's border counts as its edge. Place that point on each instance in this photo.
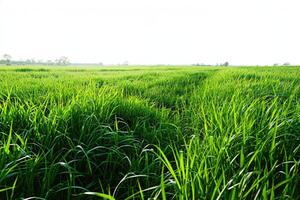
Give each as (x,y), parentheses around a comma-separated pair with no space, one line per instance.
(150,132)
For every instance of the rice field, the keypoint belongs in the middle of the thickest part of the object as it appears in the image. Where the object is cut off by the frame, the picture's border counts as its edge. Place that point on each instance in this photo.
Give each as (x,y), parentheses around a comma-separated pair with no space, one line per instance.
(169,132)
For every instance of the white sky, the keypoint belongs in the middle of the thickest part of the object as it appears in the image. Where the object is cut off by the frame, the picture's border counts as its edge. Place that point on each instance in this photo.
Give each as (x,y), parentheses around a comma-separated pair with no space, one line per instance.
(152,31)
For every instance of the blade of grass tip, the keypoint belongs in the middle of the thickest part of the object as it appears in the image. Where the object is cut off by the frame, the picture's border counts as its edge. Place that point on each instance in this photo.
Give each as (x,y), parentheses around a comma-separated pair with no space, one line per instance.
(7,145)
(34,198)
(5,189)
(126,177)
(102,195)
(132,196)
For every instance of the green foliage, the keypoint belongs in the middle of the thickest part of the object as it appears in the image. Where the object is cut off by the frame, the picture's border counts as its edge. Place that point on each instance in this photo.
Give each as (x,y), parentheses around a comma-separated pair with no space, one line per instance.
(149,132)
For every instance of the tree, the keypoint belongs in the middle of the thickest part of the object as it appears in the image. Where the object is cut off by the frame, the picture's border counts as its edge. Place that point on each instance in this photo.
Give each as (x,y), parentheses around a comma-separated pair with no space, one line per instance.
(63,60)
(7,59)
(226,64)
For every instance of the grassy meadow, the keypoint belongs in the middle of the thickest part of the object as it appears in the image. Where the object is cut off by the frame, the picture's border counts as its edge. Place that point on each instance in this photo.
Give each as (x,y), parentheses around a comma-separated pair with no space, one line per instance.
(149,133)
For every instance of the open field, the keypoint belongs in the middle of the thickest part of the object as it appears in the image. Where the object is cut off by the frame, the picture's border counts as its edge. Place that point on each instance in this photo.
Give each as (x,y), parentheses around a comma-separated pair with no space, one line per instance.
(150,132)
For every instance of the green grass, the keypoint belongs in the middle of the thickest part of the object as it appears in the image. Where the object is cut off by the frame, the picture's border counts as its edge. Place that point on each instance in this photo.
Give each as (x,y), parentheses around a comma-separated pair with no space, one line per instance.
(149,133)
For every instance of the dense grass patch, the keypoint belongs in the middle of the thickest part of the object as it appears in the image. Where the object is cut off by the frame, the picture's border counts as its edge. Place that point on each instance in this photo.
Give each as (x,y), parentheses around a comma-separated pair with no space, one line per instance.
(150,132)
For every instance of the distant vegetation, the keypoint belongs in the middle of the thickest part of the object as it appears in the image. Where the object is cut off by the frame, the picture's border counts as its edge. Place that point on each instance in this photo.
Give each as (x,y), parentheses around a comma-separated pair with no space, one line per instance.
(7,60)
(150,133)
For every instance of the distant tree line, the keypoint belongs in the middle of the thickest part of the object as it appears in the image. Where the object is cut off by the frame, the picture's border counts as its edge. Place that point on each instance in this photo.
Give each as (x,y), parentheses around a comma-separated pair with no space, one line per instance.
(63,60)
(7,60)
(284,64)
(201,64)
(221,64)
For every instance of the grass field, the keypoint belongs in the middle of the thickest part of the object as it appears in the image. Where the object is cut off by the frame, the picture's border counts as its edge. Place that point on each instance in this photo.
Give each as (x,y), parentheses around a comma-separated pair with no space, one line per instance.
(150,133)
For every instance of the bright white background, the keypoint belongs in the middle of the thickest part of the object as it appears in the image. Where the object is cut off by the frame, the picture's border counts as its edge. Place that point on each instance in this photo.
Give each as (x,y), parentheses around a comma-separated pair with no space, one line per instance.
(245,32)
